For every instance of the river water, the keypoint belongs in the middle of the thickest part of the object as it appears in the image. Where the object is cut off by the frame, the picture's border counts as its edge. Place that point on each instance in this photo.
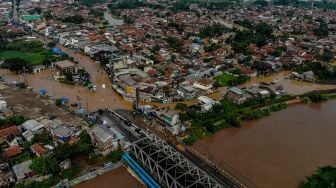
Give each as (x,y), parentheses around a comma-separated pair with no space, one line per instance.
(278,151)
(115,178)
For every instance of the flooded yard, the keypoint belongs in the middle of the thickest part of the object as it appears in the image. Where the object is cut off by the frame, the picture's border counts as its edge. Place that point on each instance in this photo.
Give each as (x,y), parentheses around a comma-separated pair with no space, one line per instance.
(102,98)
(277,151)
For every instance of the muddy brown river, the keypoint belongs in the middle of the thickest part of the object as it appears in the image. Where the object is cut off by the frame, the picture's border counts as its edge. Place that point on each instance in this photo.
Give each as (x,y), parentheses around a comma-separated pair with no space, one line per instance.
(115,178)
(278,151)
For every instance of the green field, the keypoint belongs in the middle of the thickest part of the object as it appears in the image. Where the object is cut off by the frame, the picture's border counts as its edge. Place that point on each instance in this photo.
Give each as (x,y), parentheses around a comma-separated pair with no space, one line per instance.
(224,79)
(35,58)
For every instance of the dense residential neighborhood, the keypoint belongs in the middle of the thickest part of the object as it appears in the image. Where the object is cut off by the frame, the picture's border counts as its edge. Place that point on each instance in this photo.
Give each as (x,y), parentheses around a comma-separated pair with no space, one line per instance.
(83,83)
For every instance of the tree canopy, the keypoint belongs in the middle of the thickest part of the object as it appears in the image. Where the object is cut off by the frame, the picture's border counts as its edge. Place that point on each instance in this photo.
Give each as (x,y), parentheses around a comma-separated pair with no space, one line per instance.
(45,165)
(324,177)
(16,64)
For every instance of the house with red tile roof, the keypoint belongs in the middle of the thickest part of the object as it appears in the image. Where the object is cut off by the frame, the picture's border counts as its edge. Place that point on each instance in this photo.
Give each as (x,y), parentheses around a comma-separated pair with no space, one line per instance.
(12,151)
(7,131)
(38,149)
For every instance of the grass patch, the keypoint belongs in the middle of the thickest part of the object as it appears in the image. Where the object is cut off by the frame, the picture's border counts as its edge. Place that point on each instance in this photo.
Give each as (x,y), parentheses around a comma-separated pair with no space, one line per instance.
(35,58)
(224,79)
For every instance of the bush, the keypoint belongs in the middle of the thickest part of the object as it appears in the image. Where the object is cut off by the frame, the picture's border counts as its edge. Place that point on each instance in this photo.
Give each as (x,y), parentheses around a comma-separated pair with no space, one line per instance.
(71,172)
(256,114)
(181,106)
(278,107)
(115,156)
(59,102)
(316,98)
(22,85)
(190,139)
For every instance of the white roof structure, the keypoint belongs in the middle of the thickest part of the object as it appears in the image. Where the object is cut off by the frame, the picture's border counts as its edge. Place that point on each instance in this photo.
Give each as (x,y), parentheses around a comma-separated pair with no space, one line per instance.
(32,125)
(264,92)
(205,100)
(20,170)
(102,133)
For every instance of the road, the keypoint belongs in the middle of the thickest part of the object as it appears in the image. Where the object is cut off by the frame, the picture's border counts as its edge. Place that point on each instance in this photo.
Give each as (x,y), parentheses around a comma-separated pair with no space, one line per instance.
(111,119)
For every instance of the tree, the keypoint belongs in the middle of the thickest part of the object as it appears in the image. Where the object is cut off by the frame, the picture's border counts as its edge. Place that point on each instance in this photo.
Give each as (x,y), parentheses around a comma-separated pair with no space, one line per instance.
(115,156)
(47,14)
(128,19)
(45,165)
(15,120)
(264,29)
(51,44)
(323,30)
(77,19)
(174,42)
(17,64)
(84,145)
(262,3)
(324,177)
(43,137)
(63,151)
(212,31)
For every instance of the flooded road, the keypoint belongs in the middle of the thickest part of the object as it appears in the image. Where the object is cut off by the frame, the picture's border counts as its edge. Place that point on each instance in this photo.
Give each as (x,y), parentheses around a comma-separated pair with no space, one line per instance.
(115,178)
(277,151)
(102,98)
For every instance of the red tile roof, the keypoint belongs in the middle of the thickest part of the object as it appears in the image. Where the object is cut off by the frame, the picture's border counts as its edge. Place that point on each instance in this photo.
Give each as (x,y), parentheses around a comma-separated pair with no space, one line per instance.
(39,149)
(12,151)
(9,130)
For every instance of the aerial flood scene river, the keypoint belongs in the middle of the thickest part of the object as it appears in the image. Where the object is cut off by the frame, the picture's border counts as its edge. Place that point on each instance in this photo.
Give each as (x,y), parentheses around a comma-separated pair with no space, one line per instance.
(277,151)
(115,178)
(171,94)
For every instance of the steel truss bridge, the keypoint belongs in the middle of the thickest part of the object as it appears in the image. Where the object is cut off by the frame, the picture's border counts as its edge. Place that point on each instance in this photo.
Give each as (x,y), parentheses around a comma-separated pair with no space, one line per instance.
(168,166)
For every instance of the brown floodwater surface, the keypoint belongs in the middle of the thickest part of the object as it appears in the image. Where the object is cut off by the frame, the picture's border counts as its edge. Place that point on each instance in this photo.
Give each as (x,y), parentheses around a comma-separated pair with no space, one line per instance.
(278,151)
(292,87)
(102,98)
(118,178)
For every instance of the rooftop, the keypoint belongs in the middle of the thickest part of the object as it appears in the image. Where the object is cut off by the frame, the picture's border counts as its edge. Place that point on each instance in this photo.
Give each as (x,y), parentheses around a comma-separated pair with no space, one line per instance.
(9,130)
(237,90)
(12,151)
(22,170)
(64,64)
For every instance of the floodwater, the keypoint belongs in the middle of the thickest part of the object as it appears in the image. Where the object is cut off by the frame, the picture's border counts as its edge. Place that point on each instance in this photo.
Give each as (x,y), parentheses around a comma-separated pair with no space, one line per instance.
(102,98)
(292,87)
(277,151)
(107,97)
(111,20)
(115,178)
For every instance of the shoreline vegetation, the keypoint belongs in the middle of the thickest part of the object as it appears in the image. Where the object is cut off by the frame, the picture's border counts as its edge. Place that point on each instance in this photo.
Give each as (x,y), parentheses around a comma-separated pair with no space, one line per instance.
(227,114)
(323,177)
